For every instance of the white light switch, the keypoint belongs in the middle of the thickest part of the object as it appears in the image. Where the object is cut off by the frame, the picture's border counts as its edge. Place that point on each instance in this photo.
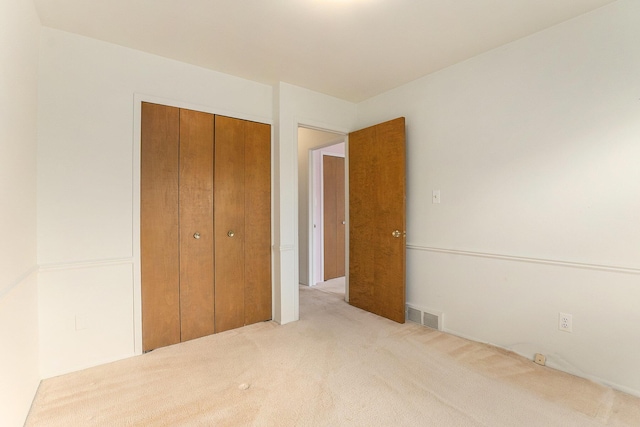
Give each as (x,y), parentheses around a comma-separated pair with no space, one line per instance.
(436,196)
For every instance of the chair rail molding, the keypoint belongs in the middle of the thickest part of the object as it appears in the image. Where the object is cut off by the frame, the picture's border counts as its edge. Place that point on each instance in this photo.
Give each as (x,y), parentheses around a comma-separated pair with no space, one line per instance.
(561,263)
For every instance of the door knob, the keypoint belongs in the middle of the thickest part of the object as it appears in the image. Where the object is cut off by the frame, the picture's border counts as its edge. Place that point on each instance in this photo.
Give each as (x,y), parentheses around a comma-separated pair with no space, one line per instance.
(231,233)
(396,233)
(344,222)
(196,235)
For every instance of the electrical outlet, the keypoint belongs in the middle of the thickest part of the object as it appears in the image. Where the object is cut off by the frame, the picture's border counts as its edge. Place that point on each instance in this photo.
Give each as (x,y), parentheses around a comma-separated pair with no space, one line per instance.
(565,322)
(540,359)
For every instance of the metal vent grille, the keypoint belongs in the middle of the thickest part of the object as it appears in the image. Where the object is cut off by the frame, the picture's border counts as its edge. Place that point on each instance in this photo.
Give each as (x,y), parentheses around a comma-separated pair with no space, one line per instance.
(414,315)
(430,319)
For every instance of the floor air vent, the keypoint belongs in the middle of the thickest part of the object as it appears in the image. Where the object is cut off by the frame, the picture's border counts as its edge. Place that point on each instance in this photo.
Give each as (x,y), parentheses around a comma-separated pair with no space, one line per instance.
(414,315)
(430,319)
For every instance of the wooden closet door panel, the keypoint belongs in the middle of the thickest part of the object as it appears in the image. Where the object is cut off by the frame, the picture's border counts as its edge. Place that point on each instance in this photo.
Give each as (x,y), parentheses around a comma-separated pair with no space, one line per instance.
(196,216)
(257,255)
(229,223)
(159,226)
(330,224)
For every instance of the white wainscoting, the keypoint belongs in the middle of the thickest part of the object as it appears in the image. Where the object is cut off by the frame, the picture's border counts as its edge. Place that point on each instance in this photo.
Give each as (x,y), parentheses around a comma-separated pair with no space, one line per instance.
(86,314)
(513,302)
(19,371)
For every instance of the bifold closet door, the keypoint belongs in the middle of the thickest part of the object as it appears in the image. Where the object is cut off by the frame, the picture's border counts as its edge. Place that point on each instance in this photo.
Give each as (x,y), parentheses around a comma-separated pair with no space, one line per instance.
(205,224)
(242,223)
(196,225)
(176,225)
(160,268)
(257,247)
(229,223)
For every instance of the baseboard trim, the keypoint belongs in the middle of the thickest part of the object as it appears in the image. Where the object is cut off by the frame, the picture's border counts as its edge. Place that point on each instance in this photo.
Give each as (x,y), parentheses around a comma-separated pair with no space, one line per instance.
(85,264)
(587,266)
(551,364)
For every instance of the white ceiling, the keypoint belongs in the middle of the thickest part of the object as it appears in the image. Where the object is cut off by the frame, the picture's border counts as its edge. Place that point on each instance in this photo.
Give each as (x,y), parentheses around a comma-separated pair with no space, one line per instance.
(351,49)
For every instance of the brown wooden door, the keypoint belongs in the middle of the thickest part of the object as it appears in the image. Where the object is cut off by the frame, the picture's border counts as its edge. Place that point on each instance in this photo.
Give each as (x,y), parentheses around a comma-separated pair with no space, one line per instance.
(257,202)
(242,222)
(205,244)
(229,223)
(377,219)
(334,217)
(160,268)
(196,225)
(340,209)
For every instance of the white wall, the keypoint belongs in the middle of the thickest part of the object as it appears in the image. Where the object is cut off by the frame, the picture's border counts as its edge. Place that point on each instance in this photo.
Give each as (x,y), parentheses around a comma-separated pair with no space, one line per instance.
(308,139)
(531,145)
(18,350)
(87,225)
(294,106)
(87,177)
(19,35)
(534,147)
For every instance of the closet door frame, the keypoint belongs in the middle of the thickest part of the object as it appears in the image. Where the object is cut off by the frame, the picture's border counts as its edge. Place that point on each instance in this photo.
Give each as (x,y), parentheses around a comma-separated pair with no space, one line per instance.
(136,258)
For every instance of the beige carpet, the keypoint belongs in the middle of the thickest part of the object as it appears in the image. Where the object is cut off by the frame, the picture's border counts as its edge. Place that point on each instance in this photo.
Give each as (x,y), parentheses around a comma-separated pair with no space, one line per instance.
(333,286)
(337,366)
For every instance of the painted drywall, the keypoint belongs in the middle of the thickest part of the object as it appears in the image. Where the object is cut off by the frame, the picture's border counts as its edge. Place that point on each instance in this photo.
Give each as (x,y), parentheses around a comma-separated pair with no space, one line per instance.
(18,134)
(295,106)
(86,185)
(488,124)
(308,139)
(534,147)
(87,179)
(19,32)
(19,351)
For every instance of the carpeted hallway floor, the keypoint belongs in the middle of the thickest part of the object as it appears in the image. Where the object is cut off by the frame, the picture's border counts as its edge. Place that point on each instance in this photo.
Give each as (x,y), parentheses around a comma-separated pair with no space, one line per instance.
(337,366)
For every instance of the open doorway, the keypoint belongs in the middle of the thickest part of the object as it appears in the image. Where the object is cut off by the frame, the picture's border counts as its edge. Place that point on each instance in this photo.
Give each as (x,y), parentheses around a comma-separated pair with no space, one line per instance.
(313,146)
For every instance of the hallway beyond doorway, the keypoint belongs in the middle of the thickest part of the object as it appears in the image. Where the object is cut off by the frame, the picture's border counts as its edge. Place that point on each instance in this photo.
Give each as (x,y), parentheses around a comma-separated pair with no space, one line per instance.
(332,286)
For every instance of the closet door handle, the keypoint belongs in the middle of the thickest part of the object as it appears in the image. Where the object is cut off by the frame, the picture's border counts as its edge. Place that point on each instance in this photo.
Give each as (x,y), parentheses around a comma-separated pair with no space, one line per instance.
(231,233)
(196,235)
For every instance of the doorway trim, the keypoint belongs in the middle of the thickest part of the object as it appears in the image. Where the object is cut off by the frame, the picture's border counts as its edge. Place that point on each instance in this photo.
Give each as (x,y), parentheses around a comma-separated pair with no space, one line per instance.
(322,127)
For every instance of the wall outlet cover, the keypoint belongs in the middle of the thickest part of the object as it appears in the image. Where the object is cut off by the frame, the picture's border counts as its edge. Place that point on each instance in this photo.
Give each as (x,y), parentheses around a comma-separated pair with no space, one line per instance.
(565,322)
